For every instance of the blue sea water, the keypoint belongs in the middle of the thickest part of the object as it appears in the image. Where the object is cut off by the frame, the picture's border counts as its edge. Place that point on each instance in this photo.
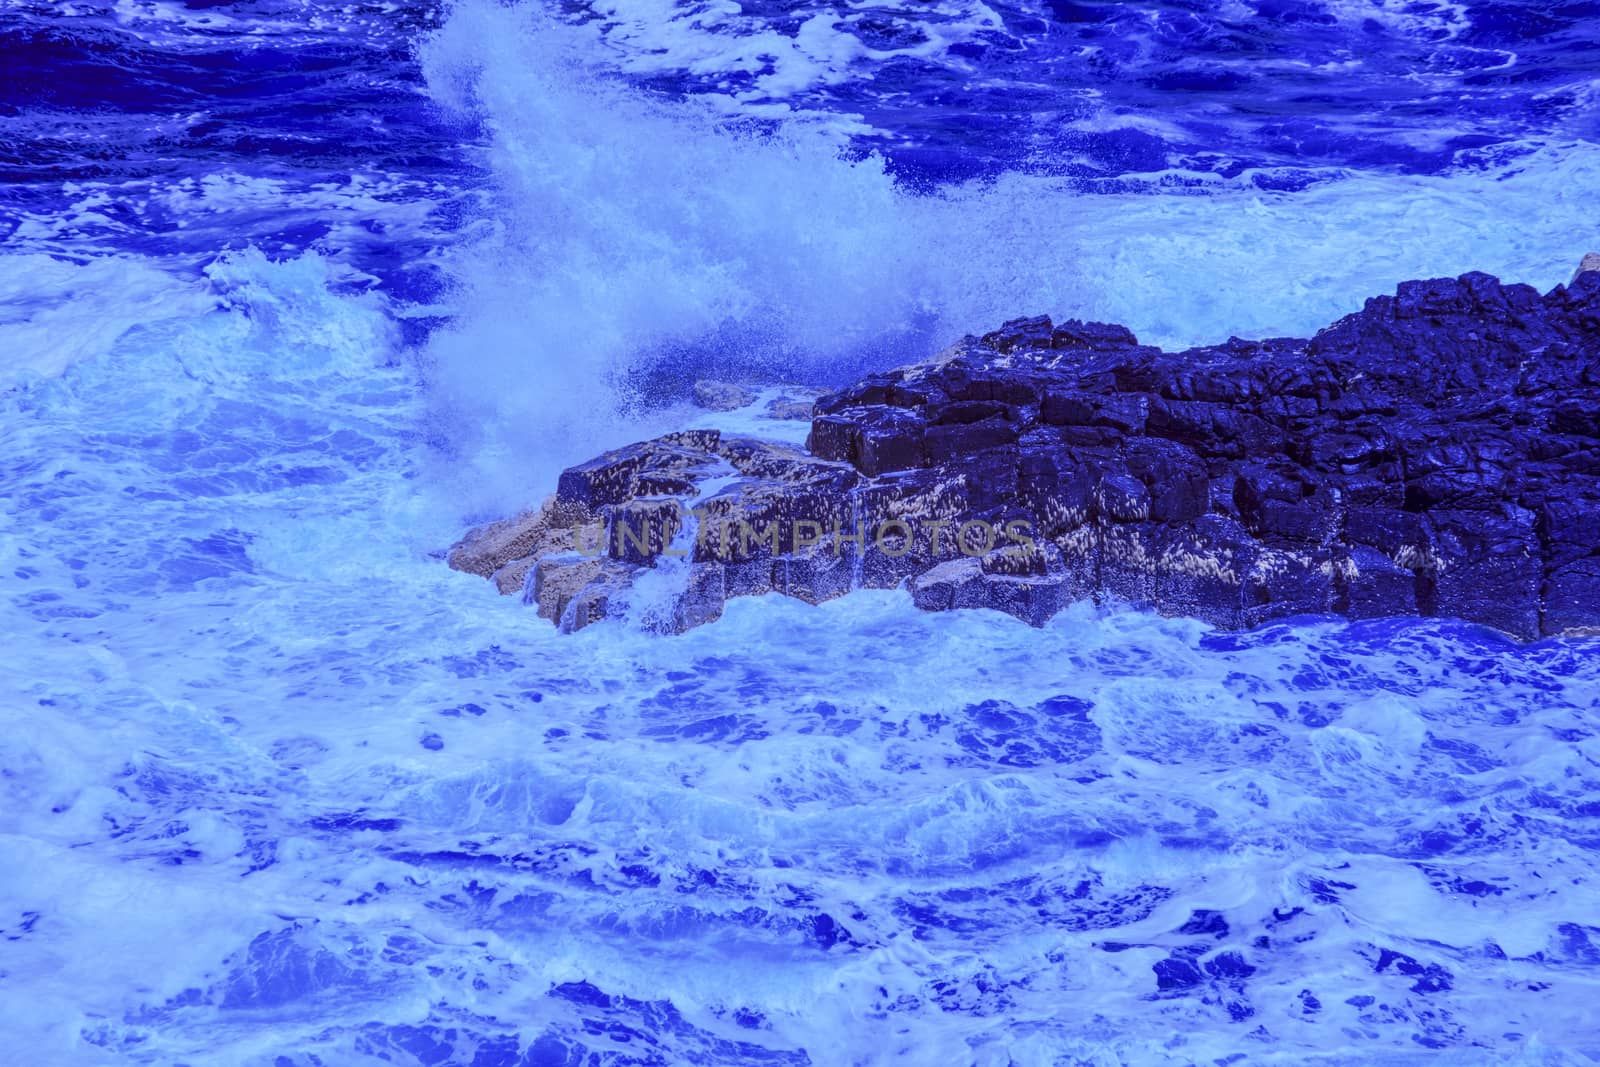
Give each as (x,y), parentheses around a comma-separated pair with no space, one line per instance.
(291,291)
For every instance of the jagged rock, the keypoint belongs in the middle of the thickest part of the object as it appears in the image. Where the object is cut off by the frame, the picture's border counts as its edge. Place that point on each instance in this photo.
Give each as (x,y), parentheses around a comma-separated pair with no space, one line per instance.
(561,578)
(504,551)
(488,548)
(1436,453)
(1591,262)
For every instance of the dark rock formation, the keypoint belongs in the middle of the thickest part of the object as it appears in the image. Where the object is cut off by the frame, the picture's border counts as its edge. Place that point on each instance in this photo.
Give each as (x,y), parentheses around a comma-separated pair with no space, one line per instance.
(1437,453)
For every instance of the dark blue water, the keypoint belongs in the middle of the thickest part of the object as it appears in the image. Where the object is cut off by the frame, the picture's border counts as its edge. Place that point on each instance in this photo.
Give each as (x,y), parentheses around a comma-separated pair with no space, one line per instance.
(308,93)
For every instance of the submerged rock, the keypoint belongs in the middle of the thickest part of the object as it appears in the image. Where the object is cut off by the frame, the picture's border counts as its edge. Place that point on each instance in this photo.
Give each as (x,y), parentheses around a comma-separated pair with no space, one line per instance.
(792,407)
(792,401)
(1436,453)
(722,396)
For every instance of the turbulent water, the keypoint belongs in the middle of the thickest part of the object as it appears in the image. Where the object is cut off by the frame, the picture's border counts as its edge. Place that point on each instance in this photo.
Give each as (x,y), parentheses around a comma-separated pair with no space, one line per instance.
(292,290)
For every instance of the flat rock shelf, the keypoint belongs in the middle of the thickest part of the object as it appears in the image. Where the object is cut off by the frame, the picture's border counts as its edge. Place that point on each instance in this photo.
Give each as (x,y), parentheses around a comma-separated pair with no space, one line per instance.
(1436,453)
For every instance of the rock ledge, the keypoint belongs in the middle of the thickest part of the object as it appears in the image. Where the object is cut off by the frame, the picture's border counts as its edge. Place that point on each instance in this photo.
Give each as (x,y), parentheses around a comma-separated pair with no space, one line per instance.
(1436,453)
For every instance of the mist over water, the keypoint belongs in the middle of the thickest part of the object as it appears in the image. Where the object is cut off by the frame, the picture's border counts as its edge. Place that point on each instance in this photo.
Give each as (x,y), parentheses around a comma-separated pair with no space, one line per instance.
(278,789)
(630,238)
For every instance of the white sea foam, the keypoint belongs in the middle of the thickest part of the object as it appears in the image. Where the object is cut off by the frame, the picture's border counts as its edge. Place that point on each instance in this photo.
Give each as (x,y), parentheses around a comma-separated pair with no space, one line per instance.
(54,312)
(723,41)
(278,785)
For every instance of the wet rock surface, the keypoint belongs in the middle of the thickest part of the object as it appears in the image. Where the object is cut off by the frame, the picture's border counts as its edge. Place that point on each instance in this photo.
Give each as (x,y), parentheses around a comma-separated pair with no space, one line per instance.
(722,396)
(1436,453)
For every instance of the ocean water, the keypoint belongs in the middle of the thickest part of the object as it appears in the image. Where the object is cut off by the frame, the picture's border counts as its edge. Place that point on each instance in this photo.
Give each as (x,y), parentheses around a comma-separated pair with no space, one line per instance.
(292,291)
